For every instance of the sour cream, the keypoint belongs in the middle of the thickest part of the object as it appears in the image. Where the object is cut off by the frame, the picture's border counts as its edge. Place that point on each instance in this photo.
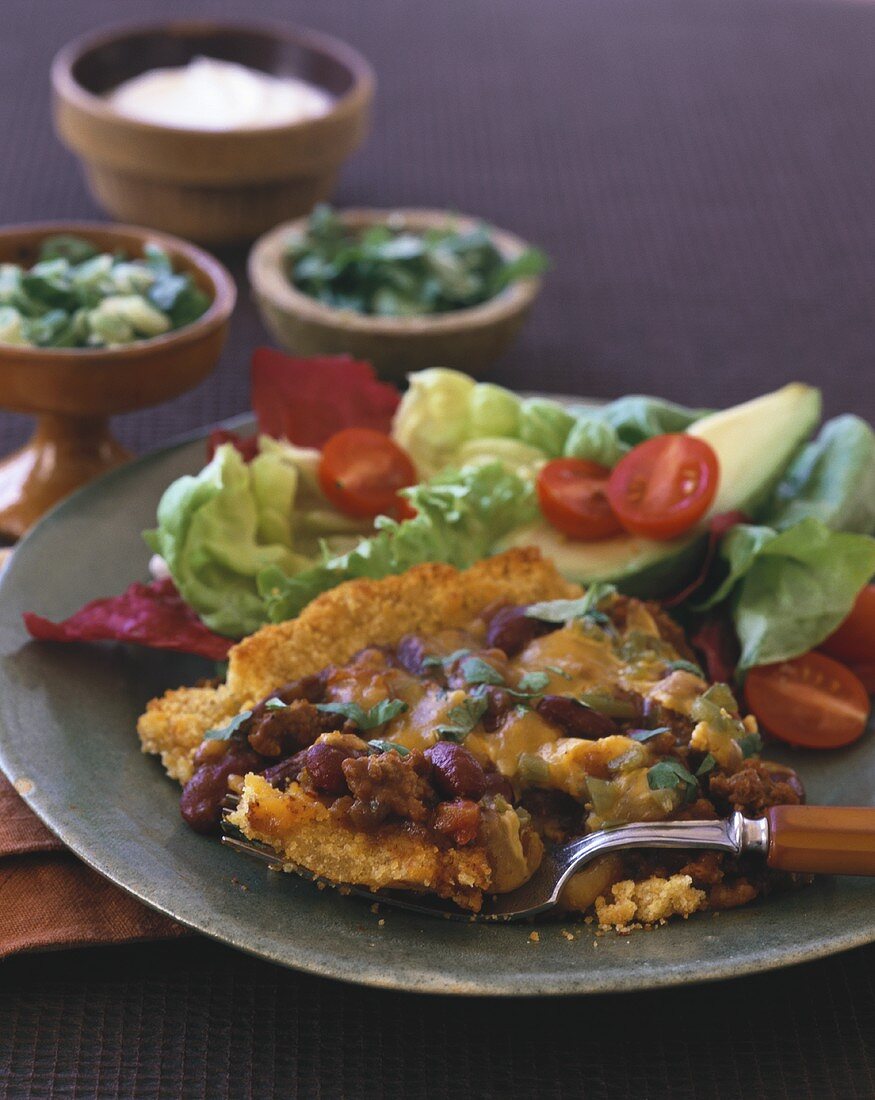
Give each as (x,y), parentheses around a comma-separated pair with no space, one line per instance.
(207,94)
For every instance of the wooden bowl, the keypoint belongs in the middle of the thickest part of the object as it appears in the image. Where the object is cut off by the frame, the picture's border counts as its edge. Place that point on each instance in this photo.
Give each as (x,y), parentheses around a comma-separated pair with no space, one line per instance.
(72,391)
(467,339)
(213,186)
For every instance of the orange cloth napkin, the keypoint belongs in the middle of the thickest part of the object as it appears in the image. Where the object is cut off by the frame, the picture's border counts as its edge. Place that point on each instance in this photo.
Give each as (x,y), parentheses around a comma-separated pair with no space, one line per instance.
(49,899)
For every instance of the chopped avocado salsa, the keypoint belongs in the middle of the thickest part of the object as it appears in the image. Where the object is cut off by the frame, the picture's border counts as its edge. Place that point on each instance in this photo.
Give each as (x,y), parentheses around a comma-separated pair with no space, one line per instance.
(389,273)
(77,297)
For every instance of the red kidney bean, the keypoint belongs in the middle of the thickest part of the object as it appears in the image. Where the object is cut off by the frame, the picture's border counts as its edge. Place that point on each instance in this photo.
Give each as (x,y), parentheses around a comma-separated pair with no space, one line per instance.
(411,654)
(325,768)
(496,784)
(455,772)
(511,629)
(280,775)
(498,706)
(575,719)
(201,800)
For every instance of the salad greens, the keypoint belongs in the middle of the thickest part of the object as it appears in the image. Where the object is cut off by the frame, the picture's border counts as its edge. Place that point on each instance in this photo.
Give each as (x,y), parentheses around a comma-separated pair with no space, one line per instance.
(76,297)
(253,543)
(460,514)
(399,273)
(446,418)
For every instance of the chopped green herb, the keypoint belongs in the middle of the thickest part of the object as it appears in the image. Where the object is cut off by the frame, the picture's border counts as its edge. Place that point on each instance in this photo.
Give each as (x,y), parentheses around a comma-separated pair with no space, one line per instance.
(671,775)
(564,611)
(477,671)
(463,717)
(558,671)
(444,662)
(750,744)
(533,683)
(378,715)
(225,733)
(391,273)
(608,705)
(707,766)
(377,746)
(646,735)
(275,704)
(685,666)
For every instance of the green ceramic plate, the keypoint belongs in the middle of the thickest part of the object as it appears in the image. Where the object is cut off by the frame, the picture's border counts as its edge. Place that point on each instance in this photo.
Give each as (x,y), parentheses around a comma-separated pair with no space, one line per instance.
(67,717)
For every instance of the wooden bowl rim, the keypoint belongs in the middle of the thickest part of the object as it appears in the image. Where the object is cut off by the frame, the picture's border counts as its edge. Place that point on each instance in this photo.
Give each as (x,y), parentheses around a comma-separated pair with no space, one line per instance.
(268,279)
(217,314)
(68,88)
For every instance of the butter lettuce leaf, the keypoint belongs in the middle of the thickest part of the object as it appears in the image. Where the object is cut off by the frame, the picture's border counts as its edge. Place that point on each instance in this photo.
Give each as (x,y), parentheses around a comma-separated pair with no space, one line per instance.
(219,529)
(831,479)
(446,417)
(790,589)
(460,516)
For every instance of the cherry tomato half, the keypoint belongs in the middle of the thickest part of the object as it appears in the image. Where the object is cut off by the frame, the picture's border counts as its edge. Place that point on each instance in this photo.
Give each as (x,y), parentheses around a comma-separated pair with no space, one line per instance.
(854,641)
(361,472)
(573,498)
(811,701)
(664,486)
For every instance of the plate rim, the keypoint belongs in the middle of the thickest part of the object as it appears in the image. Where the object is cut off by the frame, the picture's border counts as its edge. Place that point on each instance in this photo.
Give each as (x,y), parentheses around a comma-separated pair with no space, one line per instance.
(576,981)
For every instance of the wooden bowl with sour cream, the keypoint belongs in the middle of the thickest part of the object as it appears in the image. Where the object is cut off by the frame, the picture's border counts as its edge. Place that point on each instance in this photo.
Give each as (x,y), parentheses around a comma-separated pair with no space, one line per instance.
(213,186)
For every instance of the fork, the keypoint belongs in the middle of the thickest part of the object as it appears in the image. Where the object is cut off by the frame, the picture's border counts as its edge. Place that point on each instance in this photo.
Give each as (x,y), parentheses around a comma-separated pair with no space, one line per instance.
(807,839)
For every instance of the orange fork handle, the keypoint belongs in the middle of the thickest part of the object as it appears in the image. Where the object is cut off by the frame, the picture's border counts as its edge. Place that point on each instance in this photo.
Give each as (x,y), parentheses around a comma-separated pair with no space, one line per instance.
(829,840)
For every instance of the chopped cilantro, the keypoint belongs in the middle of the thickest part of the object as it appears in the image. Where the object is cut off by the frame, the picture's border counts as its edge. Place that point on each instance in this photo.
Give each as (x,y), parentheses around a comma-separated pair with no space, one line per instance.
(646,735)
(378,745)
(225,733)
(671,775)
(275,704)
(477,671)
(707,766)
(608,705)
(750,744)
(563,611)
(378,715)
(533,683)
(463,717)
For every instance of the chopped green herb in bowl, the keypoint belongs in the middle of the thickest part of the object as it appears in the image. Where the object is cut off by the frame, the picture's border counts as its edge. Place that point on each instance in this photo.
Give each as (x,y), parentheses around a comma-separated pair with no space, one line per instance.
(402,289)
(75,296)
(386,271)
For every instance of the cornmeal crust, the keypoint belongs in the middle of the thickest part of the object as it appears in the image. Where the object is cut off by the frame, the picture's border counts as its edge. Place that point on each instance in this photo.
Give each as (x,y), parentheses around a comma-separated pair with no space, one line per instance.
(331,629)
(305,829)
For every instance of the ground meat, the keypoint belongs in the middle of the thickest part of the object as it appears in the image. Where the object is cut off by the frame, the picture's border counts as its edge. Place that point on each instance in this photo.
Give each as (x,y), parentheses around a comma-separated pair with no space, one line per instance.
(756,787)
(668,629)
(280,775)
(388,784)
(555,814)
(281,732)
(704,869)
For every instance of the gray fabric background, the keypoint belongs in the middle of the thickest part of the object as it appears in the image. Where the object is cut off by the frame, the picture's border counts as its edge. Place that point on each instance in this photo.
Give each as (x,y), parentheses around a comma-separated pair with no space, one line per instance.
(702,173)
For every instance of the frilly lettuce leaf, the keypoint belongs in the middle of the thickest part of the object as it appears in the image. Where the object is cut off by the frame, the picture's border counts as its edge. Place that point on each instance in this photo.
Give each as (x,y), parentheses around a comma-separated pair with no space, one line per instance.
(460,516)
(222,527)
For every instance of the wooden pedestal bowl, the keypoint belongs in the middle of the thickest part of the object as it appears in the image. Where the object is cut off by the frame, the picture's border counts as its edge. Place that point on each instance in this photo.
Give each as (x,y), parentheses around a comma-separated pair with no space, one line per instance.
(72,392)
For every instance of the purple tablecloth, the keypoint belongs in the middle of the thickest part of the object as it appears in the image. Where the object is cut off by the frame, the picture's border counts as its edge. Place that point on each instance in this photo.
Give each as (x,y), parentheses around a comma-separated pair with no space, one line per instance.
(702,173)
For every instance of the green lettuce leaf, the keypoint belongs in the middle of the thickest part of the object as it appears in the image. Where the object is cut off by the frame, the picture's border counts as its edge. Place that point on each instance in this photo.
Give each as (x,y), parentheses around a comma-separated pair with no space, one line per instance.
(218,530)
(832,479)
(460,516)
(790,589)
(446,419)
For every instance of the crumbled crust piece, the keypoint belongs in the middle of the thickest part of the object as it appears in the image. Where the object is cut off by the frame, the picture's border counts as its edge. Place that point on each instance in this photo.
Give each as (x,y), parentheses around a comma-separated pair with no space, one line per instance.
(336,625)
(306,834)
(649,902)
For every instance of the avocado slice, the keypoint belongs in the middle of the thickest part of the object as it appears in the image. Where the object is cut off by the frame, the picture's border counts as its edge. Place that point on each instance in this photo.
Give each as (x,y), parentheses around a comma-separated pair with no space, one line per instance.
(754,443)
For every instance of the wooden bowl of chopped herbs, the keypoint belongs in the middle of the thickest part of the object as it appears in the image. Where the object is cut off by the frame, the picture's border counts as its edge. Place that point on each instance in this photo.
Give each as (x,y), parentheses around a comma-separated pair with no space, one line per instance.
(403,289)
(96,320)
